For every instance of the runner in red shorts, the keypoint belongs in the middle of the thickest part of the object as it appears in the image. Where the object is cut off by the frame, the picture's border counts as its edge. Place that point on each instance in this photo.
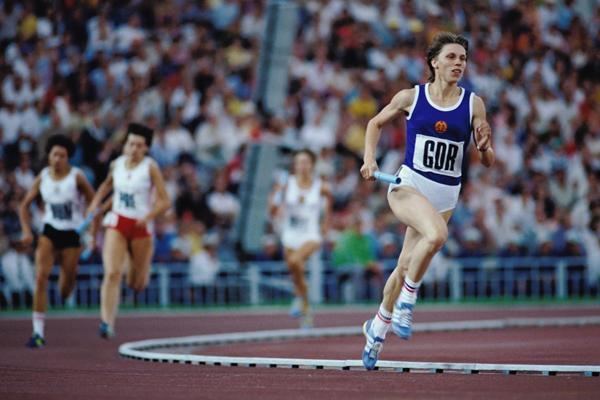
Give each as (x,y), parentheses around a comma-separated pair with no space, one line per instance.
(139,196)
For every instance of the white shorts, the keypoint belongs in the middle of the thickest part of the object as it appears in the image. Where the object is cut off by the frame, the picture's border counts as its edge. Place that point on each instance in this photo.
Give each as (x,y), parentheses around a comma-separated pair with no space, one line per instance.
(442,197)
(295,240)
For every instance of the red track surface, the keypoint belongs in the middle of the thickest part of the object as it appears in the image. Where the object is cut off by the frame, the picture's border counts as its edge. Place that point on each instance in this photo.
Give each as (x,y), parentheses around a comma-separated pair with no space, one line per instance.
(560,346)
(76,364)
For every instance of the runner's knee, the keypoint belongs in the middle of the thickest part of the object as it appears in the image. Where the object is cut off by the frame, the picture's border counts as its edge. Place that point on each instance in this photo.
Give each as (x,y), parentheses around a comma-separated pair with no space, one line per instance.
(113,277)
(399,273)
(67,286)
(402,266)
(137,284)
(436,238)
(41,280)
(294,264)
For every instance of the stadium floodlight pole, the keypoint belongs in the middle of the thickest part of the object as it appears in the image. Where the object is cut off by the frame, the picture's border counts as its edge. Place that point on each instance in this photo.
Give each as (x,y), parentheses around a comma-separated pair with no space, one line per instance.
(281,20)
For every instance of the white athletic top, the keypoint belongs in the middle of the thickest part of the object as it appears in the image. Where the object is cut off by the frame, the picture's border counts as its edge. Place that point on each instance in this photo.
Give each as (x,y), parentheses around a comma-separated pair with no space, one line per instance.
(63,207)
(132,189)
(302,212)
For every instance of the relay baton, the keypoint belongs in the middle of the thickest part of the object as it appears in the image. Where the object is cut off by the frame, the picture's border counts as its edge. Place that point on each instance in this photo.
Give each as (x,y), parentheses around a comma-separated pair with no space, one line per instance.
(86,254)
(86,222)
(387,178)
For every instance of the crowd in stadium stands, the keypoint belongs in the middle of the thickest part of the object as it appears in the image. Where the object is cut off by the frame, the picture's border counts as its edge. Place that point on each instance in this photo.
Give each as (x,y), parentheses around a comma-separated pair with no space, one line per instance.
(187,69)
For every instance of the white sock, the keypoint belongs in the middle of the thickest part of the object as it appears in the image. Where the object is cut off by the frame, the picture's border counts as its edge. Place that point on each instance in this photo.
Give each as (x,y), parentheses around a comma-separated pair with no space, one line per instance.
(381,322)
(409,291)
(38,323)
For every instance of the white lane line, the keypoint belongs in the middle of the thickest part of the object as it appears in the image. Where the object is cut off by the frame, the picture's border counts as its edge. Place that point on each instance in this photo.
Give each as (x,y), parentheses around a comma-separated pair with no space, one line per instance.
(142,350)
(398,366)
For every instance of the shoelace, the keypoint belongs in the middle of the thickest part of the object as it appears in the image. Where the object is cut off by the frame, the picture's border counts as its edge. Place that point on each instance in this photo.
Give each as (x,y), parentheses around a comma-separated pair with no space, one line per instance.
(375,344)
(374,350)
(405,317)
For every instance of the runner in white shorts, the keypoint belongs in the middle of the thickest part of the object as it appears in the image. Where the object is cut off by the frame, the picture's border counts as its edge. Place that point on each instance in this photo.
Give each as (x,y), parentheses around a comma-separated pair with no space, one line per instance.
(441,116)
(442,197)
(303,205)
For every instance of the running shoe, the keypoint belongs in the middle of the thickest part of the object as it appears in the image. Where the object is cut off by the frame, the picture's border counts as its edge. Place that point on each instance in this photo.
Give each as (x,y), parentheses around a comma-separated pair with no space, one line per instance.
(35,342)
(296,309)
(307,321)
(402,320)
(105,330)
(372,348)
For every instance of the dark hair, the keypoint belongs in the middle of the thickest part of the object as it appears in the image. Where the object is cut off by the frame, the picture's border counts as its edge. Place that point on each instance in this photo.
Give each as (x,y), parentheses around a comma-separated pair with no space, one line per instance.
(62,141)
(439,41)
(308,152)
(141,130)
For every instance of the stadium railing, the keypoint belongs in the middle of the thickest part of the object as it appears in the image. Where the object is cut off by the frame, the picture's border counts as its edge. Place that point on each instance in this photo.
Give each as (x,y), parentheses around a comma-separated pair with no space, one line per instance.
(262,283)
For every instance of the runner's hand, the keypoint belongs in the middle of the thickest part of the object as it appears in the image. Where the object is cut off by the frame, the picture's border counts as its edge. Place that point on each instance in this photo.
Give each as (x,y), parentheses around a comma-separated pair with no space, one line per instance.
(27,238)
(93,243)
(483,135)
(368,169)
(141,222)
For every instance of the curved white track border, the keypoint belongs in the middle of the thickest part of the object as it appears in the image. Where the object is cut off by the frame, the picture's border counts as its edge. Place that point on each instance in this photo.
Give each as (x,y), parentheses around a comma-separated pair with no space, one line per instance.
(142,350)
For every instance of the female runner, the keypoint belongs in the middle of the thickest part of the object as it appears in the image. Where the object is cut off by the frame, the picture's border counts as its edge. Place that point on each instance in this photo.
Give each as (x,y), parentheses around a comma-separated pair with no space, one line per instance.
(134,179)
(440,118)
(304,203)
(61,187)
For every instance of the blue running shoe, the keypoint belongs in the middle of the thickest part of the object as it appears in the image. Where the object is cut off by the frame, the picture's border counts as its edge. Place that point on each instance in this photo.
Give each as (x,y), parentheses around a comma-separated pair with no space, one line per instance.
(402,320)
(372,348)
(105,331)
(296,309)
(307,321)
(35,342)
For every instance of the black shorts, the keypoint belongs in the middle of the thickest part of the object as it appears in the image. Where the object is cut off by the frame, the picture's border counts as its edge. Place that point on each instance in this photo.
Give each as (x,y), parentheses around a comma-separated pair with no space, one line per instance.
(61,239)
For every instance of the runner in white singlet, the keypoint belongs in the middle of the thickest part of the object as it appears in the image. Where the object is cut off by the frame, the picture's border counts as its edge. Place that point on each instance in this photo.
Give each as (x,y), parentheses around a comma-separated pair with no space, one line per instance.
(301,213)
(61,187)
(303,203)
(138,197)
(132,188)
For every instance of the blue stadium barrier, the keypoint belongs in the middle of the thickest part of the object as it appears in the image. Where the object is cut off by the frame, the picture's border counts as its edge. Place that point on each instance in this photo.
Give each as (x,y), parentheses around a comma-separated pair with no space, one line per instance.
(259,283)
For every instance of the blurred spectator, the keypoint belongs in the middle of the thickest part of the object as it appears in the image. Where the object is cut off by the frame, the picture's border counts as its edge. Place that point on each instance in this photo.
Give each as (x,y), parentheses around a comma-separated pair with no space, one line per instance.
(192,200)
(591,243)
(126,35)
(177,138)
(18,271)
(563,192)
(222,203)
(472,243)
(356,252)
(319,133)
(388,248)
(216,140)
(271,250)
(345,181)
(205,265)
(23,174)
(438,270)
(502,227)
(164,239)
(189,239)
